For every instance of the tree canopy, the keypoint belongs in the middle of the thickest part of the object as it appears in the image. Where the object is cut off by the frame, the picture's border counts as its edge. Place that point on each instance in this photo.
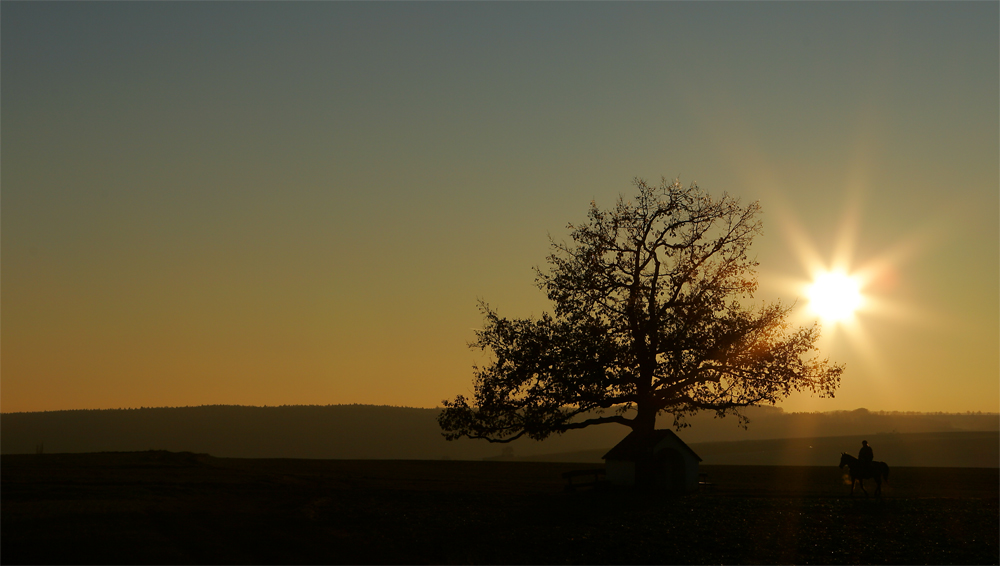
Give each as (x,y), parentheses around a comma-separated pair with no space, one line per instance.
(653,313)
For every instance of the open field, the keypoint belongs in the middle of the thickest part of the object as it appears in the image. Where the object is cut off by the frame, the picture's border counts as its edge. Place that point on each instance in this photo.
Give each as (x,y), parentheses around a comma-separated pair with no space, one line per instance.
(163,507)
(968,449)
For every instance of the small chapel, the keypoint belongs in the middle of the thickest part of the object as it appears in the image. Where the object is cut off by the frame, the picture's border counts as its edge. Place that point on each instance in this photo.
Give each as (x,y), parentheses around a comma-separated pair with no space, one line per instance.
(659,459)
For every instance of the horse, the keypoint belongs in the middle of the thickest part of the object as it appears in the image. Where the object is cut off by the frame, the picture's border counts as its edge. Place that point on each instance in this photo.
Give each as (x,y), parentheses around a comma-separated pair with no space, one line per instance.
(860,472)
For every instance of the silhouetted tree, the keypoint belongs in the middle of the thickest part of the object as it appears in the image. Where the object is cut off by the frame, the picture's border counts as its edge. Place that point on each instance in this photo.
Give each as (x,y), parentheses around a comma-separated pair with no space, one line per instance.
(651,314)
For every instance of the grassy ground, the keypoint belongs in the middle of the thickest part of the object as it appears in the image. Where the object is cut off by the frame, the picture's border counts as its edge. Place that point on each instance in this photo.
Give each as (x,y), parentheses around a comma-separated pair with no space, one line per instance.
(159,507)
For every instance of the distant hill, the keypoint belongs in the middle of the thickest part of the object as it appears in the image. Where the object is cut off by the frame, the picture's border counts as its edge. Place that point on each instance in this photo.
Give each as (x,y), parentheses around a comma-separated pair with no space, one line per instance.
(382,432)
(336,431)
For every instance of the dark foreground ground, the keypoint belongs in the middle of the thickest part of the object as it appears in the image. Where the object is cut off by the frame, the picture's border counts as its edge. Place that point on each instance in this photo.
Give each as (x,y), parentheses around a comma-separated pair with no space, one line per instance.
(162,507)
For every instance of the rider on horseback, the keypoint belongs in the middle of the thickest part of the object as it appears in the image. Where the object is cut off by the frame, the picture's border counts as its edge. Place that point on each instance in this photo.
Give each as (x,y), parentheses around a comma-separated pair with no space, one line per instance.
(866,456)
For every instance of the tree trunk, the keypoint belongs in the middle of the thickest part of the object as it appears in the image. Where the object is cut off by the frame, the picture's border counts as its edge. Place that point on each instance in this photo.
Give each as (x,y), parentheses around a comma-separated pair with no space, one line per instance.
(645,418)
(645,465)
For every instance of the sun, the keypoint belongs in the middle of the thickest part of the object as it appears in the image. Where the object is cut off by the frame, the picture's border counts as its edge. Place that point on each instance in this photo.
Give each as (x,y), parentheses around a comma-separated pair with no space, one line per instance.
(835,296)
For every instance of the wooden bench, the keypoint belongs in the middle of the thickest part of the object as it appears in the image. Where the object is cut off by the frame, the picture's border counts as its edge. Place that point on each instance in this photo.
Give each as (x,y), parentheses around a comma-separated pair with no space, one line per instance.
(596,476)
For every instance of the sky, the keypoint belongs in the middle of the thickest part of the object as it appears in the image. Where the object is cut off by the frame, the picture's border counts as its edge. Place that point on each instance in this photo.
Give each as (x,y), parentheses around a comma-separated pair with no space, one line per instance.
(302,203)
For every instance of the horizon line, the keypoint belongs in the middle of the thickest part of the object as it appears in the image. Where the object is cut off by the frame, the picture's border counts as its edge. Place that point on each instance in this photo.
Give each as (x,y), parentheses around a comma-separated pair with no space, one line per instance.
(767,407)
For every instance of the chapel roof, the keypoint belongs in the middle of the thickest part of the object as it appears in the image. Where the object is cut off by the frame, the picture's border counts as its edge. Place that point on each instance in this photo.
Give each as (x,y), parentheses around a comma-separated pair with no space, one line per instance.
(636,445)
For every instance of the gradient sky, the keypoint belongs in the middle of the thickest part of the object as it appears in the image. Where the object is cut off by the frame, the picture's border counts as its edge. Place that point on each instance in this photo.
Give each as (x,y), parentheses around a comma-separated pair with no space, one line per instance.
(300,203)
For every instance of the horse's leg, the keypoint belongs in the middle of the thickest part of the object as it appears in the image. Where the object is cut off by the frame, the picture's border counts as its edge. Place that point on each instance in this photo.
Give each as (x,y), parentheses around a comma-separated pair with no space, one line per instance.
(878,486)
(861,482)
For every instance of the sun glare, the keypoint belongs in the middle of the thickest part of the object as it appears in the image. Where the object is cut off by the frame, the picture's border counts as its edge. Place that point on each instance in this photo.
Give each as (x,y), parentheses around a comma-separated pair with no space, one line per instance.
(835,296)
